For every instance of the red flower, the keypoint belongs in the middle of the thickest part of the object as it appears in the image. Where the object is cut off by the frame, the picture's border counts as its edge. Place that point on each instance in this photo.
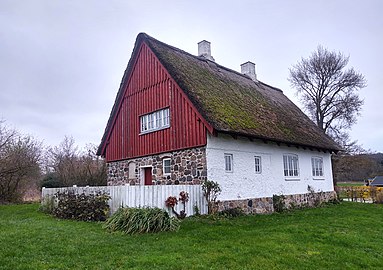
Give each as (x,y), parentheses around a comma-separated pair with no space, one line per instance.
(171,201)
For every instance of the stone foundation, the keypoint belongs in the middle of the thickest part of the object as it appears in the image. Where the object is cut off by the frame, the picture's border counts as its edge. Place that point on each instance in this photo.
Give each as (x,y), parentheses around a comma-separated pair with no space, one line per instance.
(249,206)
(265,205)
(187,167)
(308,199)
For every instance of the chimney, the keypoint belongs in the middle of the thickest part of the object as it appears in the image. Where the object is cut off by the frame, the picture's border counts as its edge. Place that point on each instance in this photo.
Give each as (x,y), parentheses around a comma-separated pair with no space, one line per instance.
(204,50)
(248,69)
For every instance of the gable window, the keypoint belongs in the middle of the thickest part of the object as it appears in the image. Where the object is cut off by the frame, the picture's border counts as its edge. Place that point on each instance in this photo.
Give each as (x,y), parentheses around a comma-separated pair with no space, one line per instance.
(257,160)
(317,166)
(228,162)
(155,121)
(290,165)
(166,166)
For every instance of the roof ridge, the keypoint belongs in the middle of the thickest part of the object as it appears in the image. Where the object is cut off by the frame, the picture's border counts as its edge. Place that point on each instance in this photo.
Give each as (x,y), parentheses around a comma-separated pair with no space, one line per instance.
(201,58)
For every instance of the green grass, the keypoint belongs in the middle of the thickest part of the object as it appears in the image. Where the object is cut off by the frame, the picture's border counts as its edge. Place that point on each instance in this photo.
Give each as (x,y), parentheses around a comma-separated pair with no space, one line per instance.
(345,236)
(350,184)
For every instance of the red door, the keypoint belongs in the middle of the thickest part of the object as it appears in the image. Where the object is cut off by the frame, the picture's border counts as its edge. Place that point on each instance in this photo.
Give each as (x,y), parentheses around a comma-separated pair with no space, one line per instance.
(148,176)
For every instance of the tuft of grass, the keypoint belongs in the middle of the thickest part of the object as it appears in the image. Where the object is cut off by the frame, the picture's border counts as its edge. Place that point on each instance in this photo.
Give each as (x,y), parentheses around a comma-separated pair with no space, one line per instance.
(141,220)
(342,236)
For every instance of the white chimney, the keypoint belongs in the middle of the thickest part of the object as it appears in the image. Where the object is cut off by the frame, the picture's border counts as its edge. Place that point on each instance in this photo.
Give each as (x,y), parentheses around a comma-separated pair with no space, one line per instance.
(204,50)
(248,69)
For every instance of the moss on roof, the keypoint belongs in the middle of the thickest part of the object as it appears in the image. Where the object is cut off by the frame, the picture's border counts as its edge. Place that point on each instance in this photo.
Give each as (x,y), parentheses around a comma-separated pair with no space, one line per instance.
(232,102)
(229,101)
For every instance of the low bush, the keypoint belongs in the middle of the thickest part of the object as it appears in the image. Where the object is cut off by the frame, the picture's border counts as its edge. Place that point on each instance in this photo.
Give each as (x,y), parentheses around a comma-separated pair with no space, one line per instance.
(211,190)
(48,204)
(141,220)
(92,207)
(362,193)
(279,203)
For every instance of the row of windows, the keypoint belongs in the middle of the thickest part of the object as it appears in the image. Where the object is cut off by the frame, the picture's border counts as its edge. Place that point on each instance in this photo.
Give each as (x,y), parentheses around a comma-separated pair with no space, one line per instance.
(155,121)
(229,163)
(290,165)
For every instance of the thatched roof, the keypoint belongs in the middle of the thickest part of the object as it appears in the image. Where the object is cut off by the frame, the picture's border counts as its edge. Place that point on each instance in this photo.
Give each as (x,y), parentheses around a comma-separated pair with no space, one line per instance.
(233,103)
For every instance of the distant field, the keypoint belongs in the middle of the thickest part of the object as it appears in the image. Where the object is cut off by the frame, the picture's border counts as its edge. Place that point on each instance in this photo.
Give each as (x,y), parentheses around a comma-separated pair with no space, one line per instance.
(350,184)
(344,236)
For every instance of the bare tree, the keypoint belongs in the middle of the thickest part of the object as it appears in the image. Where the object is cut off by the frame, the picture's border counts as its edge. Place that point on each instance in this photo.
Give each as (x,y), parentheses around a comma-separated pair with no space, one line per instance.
(63,160)
(73,167)
(19,163)
(329,92)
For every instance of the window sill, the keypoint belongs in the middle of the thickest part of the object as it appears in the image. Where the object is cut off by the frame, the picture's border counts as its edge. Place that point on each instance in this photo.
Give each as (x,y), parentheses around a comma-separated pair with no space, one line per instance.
(292,179)
(153,130)
(318,179)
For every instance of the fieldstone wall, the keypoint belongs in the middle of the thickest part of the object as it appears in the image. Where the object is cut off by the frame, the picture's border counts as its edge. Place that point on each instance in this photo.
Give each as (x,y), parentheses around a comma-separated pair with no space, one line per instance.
(187,167)
(311,199)
(265,205)
(249,206)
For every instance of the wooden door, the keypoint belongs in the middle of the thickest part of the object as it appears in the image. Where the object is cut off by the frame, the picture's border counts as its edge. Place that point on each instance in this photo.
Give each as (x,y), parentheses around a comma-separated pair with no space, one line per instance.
(148,176)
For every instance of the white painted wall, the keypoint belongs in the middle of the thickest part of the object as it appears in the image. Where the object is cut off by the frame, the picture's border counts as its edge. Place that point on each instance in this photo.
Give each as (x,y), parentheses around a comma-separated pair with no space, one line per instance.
(244,183)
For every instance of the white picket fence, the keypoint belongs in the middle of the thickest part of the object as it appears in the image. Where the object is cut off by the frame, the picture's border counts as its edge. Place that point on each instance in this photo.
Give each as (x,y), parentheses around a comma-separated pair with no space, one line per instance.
(142,196)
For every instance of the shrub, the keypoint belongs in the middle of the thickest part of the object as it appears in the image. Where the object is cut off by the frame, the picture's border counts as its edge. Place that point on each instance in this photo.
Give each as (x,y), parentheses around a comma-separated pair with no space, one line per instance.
(379,197)
(232,212)
(50,180)
(172,201)
(48,204)
(315,197)
(279,203)
(211,190)
(92,207)
(196,210)
(141,220)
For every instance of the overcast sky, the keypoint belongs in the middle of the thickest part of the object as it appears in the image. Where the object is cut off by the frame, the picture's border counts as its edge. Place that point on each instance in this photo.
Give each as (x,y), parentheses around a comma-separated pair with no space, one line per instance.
(61,62)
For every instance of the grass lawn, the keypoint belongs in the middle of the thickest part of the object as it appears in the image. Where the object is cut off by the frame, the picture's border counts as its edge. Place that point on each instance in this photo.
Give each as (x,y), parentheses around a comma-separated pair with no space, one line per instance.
(345,236)
(350,184)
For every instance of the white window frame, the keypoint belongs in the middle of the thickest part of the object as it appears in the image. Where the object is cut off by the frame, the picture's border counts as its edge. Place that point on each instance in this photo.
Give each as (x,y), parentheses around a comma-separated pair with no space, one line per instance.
(291,166)
(228,158)
(165,166)
(258,164)
(154,121)
(317,167)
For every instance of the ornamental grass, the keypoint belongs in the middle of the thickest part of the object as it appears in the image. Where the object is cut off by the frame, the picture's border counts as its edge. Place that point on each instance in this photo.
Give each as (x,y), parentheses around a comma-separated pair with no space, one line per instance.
(141,220)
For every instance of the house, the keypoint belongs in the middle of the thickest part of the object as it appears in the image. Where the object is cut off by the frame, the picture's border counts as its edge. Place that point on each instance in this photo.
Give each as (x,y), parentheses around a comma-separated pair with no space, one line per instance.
(180,119)
(377,181)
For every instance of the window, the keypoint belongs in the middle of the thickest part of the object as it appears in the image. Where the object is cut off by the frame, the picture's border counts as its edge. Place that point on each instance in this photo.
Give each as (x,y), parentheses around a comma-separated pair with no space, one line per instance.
(257,160)
(228,162)
(155,121)
(290,165)
(317,166)
(166,166)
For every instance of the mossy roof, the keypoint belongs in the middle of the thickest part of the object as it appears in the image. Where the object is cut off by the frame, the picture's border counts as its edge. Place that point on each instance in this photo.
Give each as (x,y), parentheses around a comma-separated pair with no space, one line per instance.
(233,103)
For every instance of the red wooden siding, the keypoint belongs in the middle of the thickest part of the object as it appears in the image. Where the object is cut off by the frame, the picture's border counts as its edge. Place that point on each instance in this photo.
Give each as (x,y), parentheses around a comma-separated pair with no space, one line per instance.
(151,88)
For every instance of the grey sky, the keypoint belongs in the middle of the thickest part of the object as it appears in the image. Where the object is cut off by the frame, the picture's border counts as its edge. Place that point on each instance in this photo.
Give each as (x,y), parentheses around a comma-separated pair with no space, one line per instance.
(61,62)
